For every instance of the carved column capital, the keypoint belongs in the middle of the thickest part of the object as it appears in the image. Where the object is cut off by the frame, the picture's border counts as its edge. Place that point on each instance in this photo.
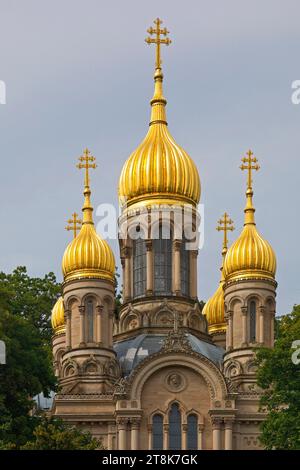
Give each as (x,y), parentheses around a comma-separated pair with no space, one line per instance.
(149,245)
(122,423)
(262,309)
(67,314)
(99,308)
(135,423)
(216,422)
(244,310)
(177,245)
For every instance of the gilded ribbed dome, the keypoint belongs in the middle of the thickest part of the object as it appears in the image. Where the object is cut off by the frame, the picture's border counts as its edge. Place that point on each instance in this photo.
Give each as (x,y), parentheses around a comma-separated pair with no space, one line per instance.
(214,311)
(58,317)
(250,256)
(159,170)
(88,256)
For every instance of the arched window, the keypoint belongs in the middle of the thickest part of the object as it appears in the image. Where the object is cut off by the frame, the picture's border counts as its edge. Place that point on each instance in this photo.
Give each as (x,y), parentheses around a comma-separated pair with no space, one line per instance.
(185,269)
(157,432)
(162,252)
(89,309)
(175,428)
(192,432)
(252,315)
(139,267)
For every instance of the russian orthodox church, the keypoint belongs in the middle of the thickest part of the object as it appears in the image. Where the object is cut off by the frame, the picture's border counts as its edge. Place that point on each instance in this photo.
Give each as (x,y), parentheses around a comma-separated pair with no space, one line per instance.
(159,371)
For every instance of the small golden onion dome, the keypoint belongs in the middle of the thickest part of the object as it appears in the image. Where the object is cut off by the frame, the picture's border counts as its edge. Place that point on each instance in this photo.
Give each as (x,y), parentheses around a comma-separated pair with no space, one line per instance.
(250,256)
(159,171)
(58,317)
(88,256)
(214,311)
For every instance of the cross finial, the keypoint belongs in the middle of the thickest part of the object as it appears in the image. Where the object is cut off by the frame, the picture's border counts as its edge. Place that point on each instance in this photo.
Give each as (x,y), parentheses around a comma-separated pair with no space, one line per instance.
(225,224)
(86,162)
(158,40)
(249,163)
(75,224)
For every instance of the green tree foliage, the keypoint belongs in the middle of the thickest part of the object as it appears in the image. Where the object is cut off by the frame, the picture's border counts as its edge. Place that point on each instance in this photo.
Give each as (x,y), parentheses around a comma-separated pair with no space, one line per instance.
(279,377)
(31,298)
(53,434)
(28,368)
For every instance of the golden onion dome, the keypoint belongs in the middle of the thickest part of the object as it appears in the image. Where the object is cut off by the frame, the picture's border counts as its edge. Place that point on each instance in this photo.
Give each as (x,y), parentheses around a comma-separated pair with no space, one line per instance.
(214,309)
(250,256)
(215,312)
(58,317)
(159,171)
(88,256)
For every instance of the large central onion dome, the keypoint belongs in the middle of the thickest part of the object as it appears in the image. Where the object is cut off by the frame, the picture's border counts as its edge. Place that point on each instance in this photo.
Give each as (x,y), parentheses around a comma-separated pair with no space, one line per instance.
(88,256)
(250,256)
(159,170)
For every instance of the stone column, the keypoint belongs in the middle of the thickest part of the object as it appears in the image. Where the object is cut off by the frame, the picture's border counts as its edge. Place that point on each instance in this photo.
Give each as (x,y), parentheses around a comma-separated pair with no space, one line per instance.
(193,273)
(228,433)
(184,437)
(110,436)
(99,310)
(68,329)
(150,440)
(135,432)
(272,327)
(216,432)
(81,326)
(229,338)
(149,264)
(200,436)
(122,434)
(127,277)
(166,437)
(177,252)
(110,327)
(244,326)
(262,311)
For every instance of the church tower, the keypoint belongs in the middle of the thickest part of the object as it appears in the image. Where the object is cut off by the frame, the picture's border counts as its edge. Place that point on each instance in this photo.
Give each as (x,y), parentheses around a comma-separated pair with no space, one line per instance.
(159,189)
(88,363)
(249,291)
(214,309)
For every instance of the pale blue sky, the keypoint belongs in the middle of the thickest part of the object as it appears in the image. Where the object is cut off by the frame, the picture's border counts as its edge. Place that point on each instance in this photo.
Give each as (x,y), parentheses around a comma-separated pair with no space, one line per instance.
(78,73)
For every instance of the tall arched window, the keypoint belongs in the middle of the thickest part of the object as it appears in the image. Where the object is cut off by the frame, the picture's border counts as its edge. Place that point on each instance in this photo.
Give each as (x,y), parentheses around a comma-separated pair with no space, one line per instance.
(175,428)
(192,432)
(185,269)
(162,252)
(252,315)
(89,309)
(139,267)
(157,432)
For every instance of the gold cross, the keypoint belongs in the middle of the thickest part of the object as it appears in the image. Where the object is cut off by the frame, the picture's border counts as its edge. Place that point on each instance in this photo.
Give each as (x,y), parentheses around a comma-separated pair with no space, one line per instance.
(251,165)
(225,224)
(158,40)
(76,224)
(87,158)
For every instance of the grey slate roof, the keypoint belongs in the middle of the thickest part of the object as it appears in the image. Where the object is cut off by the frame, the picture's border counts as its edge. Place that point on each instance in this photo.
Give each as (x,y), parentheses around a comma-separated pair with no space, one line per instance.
(132,351)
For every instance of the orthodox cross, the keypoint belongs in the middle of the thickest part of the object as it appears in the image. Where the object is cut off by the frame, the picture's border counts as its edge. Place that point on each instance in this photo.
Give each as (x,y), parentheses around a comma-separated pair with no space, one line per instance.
(75,224)
(225,224)
(158,40)
(86,162)
(251,165)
